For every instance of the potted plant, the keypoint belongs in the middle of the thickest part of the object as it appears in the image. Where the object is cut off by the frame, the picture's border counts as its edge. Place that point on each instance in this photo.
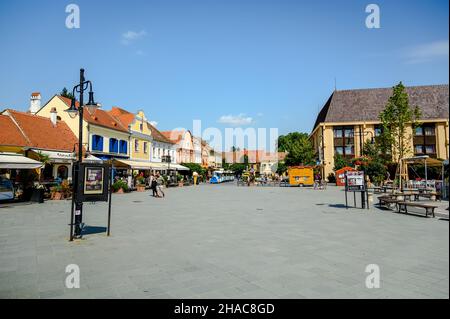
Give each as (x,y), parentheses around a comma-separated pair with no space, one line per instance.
(66,189)
(37,194)
(140,184)
(56,192)
(120,186)
(180,180)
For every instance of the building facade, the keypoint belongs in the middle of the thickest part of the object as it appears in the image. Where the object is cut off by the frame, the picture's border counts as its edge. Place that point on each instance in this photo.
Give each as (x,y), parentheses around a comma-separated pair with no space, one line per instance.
(184,145)
(104,136)
(351,117)
(36,136)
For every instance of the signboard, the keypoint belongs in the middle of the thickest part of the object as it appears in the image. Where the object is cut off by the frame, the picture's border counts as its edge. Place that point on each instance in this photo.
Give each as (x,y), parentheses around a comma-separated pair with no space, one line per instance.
(93,180)
(94,184)
(354,181)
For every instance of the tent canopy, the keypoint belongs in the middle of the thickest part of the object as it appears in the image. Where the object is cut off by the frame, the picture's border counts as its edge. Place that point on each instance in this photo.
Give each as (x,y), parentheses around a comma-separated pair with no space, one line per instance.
(148,165)
(424,159)
(17,161)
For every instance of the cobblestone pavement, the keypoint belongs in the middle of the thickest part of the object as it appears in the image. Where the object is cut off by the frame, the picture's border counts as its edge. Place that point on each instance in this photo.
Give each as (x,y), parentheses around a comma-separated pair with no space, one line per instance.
(223,241)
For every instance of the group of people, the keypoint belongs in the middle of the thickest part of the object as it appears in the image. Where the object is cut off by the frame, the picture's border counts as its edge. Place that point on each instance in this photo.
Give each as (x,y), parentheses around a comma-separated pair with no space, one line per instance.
(155,181)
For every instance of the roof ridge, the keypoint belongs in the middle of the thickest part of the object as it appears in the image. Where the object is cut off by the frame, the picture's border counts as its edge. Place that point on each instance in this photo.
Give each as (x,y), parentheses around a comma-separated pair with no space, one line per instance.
(390,88)
(18,126)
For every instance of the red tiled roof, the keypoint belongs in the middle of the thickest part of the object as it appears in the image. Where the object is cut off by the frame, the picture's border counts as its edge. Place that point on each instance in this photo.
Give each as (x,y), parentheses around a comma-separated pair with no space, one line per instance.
(158,136)
(116,111)
(35,93)
(100,117)
(10,134)
(174,136)
(41,133)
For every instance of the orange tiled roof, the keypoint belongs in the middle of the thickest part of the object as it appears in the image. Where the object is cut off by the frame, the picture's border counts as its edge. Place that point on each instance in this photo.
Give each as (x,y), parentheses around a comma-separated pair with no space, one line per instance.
(41,133)
(100,117)
(157,135)
(174,136)
(116,111)
(10,134)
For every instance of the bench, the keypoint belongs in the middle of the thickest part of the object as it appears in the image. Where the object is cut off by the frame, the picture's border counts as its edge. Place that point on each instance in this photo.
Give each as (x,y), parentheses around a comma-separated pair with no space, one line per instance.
(387,201)
(403,207)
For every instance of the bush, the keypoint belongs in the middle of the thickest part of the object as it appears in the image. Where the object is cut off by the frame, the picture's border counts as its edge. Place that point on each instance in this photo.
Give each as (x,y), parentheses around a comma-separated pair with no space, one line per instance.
(340,162)
(120,184)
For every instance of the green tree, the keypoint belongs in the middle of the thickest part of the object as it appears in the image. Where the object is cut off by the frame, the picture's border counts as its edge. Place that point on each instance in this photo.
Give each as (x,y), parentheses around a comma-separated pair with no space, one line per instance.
(66,93)
(299,149)
(340,162)
(395,118)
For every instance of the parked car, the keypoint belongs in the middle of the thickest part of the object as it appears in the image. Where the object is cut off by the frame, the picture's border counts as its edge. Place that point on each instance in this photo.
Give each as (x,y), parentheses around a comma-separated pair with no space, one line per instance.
(6,189)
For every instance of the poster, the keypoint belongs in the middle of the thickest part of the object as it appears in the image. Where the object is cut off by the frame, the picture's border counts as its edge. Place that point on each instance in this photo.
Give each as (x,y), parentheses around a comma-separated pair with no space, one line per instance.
(355,181)
(93,180)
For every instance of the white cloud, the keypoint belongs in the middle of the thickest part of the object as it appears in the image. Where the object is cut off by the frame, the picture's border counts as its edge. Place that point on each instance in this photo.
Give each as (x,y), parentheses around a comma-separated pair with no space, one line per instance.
(427,52)
(235,120)
(154,123)
(131,36)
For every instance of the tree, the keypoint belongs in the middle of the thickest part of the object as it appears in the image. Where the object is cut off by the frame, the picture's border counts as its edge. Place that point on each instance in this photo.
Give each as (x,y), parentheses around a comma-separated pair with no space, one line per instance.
(66,93)
(299,149)
(394,120)
(340,162)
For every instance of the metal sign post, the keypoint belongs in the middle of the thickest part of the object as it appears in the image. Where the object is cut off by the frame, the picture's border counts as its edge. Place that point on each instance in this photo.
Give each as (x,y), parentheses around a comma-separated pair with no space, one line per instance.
(355,182)
(93,184)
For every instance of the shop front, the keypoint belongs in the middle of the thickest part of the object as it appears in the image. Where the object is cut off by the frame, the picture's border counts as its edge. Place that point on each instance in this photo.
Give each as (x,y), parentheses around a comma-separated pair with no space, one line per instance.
(58,165)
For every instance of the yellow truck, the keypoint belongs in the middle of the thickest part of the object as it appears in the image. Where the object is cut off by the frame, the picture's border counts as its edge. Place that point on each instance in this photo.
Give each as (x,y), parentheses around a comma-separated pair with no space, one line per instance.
(301,175)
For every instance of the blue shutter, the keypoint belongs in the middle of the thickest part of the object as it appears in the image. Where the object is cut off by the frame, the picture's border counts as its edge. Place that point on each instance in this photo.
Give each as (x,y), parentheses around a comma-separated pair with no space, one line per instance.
(100,143)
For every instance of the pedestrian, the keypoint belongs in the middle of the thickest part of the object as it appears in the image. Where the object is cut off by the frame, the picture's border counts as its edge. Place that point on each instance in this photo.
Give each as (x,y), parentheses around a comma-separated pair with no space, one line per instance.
(153,184)
(159,184)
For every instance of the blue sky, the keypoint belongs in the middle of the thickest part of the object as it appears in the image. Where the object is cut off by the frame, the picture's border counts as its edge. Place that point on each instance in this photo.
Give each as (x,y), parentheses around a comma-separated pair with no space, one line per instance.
(259,63)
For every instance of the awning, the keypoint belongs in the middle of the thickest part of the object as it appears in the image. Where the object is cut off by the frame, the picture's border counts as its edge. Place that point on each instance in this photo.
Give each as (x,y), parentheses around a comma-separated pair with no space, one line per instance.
(174,166)
(423,159)
(57,156)
(92,159)
(16,161)
(137,164)
(148,165)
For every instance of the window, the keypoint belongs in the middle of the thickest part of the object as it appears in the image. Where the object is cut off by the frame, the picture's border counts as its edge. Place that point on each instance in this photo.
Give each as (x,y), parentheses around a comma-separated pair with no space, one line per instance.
(141,127)
(123,147)
(425,140)
(97,143)
(113,145)
(145,147)
(153,152)
(136,145)
(344,141)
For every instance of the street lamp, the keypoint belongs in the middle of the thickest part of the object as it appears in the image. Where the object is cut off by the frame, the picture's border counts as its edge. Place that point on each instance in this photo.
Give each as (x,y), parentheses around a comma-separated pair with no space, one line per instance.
(73,111)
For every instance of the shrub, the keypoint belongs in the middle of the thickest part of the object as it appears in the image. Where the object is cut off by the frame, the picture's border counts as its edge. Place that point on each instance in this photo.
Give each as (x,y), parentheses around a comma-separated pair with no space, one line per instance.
(120,184)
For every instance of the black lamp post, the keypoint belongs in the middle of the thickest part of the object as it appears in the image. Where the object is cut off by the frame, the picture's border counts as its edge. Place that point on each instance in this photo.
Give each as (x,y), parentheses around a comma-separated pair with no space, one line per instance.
(73,112)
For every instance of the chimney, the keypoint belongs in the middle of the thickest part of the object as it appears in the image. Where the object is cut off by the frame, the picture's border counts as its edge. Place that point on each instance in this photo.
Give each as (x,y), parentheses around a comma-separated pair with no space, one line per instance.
(35,102)
(53,115)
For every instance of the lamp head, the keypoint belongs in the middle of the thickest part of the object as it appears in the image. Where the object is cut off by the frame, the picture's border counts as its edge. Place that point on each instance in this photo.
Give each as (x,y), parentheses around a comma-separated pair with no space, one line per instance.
(72,110)
(92,106)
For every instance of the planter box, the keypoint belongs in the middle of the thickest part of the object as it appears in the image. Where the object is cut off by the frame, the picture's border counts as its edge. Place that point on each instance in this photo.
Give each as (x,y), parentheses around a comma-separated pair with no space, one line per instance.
(140,188)
(120,191)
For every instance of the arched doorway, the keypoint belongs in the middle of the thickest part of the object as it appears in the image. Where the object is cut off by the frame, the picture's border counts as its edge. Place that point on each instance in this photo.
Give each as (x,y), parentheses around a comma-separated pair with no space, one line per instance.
(63,172)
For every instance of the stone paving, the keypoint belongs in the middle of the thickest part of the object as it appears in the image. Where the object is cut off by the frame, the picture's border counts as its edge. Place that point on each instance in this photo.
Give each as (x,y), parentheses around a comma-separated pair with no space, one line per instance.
(223,241)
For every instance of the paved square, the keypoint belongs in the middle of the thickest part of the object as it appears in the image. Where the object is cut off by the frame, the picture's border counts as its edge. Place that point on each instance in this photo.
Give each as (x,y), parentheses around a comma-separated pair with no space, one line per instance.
(223,241)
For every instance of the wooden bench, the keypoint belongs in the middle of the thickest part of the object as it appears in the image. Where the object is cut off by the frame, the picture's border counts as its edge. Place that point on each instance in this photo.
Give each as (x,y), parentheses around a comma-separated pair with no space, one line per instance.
(403,207)
(387,201)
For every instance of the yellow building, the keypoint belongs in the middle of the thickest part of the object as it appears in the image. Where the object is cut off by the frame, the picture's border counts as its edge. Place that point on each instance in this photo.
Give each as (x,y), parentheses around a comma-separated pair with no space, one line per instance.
(140,133)
(103,134)
(350,117)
